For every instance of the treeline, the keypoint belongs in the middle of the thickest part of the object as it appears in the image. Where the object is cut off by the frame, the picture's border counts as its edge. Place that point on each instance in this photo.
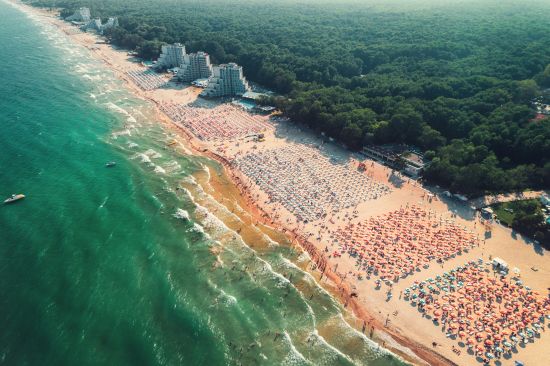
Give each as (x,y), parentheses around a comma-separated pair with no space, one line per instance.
(527,218)
(454,79)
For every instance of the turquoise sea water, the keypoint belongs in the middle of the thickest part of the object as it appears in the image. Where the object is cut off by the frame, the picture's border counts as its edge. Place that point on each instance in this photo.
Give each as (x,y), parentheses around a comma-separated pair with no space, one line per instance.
(139,264)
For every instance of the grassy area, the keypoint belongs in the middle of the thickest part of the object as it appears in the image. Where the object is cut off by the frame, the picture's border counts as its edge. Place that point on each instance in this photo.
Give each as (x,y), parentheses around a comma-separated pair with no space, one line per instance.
(504,216)
(525,216)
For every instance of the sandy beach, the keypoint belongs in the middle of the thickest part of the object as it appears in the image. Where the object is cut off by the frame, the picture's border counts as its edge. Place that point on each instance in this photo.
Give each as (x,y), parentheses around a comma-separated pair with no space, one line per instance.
(373,233)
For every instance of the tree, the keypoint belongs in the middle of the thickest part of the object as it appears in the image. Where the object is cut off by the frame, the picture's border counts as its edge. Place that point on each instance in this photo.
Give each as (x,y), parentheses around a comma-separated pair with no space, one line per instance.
(149,49)
(526,90)
(352,135)
(344,68)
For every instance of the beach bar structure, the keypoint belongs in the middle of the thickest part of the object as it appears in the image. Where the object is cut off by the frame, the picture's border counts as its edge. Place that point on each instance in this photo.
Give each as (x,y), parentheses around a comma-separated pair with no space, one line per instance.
(397,156)
(172,56)
(227,80)
(195,66)
(81,15)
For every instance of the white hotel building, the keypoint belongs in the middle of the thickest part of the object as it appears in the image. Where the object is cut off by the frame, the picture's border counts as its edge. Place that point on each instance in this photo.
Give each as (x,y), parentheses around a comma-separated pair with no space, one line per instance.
(171,56)
(195,66)
(81,15)
(227,80)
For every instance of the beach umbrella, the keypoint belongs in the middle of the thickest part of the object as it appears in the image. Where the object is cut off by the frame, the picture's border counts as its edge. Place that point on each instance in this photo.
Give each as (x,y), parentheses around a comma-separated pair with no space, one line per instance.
(507,344)
(471,341)
(518,363)
(490,355)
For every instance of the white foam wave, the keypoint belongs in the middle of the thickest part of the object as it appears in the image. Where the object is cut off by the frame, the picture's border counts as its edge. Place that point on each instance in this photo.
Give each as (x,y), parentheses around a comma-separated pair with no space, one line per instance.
(116,108)
(226,299)
(190,180)
(270,242)
(159,170)
(294,357)
(210,221)
(304,257)
(181,214)
(143,158)
(324,342)
(172,166)
(207,171)
(198,229)
(125,132)
(152,154)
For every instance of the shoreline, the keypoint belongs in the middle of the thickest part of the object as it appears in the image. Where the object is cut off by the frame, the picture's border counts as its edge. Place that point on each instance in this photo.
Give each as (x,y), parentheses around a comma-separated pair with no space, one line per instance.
(261,216)
(410,350)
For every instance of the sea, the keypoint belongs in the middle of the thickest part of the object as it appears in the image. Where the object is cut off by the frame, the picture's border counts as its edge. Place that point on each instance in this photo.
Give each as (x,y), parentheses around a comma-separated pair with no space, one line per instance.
(151,262)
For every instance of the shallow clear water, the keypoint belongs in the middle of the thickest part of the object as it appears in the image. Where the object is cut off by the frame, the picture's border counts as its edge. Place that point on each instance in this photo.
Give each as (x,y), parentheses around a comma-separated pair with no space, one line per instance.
(143,263)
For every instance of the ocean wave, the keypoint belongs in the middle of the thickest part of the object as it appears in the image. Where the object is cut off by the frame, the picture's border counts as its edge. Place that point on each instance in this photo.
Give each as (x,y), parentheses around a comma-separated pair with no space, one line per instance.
(281,281)
(207,171)
(125,132)
(197,228)
(92,77)
(304,257)
(172,166)
(181,214)
(152,154)
(116,108)
(189,180)
(159,170)
(373,348)
(294,357)
(143,158)
(270,242)
(333,349)
(226,299)
(211,221)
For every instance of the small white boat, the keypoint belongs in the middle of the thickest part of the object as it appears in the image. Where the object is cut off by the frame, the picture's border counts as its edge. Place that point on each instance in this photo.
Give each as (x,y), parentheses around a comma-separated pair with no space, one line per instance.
(14,198)
(110,164)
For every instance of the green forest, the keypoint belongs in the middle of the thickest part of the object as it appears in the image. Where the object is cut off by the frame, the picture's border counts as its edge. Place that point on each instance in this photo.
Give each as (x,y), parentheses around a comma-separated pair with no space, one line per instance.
(454,78)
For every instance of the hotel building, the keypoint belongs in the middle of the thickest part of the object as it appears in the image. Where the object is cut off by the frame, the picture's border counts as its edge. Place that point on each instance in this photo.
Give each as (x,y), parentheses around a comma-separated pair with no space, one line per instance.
(195,66)
(171,56)
(111,23)
(81,15)
(227,80)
